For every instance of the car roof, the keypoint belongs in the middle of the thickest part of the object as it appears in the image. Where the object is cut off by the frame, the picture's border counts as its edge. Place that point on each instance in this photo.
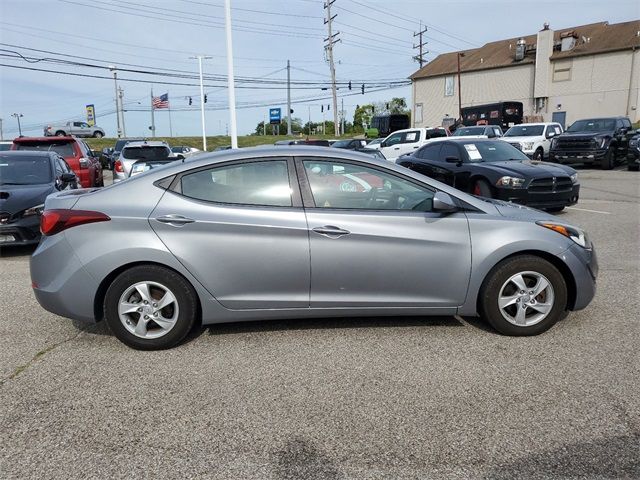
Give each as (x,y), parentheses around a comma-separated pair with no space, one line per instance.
(469,139)
(66,138)
(146,143)
(28,153)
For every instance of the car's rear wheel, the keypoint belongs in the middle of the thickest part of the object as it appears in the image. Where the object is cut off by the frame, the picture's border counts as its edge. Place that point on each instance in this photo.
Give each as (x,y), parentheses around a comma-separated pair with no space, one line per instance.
(539,154)
(482,189)
(633,168)
(97,135)
(60,133)
(555,209)
(608,161)
(150,307)
(523,295)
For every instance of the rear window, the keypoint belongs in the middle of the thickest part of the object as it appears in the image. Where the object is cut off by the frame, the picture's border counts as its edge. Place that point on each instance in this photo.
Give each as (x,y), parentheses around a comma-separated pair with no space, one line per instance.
(463,131)
(146,153)
(64,149)
(24,170)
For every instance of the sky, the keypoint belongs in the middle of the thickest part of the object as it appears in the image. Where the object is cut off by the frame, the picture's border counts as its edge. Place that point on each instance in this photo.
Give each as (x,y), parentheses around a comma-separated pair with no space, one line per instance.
(159,37)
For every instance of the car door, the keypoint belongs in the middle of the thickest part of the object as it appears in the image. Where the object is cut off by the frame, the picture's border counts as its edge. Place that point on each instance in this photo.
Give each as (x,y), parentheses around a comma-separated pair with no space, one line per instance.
(411,142)
(240,229)
(375,241)
(390,146)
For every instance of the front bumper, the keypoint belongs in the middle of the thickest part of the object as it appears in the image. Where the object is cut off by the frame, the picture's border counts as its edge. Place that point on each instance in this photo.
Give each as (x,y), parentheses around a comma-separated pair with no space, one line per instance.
(577,156)
(541,200)
(25,231)
(583,264)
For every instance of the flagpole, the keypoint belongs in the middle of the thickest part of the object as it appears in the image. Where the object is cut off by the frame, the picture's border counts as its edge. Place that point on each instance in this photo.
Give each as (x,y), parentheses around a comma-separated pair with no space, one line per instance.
(230,79)
(169,108)
(153,120)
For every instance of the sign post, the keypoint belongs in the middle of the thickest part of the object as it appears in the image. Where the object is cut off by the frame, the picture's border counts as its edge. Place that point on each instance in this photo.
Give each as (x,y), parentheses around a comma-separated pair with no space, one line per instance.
(275,116)
(91,114)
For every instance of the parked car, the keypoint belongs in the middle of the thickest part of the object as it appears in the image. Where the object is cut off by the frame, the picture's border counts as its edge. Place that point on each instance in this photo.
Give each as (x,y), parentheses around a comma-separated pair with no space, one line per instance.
(495,169)
(373,152)
(185,151)
(5,145)
(350,143)
(222,147)
(308,142)
(75,152)
(479,131)
(146,150)
(77,129)
(406,141)
(271,233)
(114,152)
(533,139)
(633,152)
(593,141)
(26,178)
(142,166)
(375,143)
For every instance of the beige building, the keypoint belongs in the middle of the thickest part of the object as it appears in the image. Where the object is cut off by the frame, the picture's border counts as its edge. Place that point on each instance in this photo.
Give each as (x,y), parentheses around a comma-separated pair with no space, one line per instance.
(587,71)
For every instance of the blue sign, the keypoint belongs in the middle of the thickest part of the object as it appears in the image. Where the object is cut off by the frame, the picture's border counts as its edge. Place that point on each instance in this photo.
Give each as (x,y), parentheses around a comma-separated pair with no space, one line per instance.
(274,115)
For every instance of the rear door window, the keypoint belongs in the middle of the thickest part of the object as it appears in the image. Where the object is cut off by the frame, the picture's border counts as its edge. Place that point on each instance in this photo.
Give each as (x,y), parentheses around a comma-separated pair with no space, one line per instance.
(449,150)
(429,152)
(64,149)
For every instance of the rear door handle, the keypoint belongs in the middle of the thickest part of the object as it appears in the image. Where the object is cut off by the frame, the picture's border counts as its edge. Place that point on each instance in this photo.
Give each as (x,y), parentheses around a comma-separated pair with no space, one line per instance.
(331,231)
(175,220)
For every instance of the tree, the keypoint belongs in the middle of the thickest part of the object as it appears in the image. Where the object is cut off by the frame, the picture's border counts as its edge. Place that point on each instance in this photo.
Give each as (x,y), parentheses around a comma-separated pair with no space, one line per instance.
(362,115)
(296,126)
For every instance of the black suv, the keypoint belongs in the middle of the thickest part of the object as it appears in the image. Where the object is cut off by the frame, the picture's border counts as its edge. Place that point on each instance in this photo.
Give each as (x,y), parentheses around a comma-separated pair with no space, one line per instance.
(633,153)
(599,141)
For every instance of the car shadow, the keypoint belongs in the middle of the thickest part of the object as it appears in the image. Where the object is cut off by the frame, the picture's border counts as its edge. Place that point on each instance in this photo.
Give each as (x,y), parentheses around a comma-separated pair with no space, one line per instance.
(17,251)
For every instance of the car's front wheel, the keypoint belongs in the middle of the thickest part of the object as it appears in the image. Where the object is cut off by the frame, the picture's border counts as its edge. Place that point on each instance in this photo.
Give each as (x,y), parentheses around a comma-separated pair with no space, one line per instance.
(97,134)
(538,154)
(482,189)
(523,295)
(608,161)
(150,307)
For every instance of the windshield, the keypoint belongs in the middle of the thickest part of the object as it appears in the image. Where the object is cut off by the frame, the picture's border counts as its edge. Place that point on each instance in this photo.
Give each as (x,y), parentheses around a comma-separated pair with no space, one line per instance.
(63,149)
(525,131)
(341,143)
(493,152)
(24,170)
(146,153)
(5,146)
(595,125)
(464,131)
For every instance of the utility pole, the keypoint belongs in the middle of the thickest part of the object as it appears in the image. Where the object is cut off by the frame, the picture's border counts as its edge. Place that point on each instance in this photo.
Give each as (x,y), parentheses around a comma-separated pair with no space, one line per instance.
(330,41)
(18,116)
(115,82)
(460,54)
(153,119)
(420,57)
(230,78)
(342,114)
(1,134)
(309,131)
(121,96)
(288,99)
(204,131)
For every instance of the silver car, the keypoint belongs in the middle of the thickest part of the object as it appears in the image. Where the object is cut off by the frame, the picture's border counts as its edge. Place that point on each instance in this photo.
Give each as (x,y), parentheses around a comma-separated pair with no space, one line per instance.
(286,232)
(133,152)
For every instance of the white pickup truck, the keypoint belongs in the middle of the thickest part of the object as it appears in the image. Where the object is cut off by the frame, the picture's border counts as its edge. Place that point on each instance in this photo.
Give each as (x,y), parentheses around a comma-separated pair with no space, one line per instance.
(402,142)
(533,139)
(77,129)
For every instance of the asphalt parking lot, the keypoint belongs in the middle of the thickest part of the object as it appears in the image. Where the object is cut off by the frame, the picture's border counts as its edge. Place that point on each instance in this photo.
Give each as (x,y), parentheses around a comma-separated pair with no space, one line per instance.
(336,399)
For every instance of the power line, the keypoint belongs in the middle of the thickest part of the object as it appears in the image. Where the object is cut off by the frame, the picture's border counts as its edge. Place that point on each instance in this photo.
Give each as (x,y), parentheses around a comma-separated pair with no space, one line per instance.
(250,10)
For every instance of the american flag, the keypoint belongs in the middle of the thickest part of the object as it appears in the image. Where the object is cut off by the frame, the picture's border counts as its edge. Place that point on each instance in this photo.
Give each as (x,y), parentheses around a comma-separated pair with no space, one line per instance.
(161,102)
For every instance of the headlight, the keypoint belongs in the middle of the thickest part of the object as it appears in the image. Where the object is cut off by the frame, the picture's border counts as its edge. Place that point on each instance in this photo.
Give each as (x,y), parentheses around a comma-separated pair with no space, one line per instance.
(603,141)
(514,182)
(578,235)
(527,145)
(574,178)
(554,141)
(37,210)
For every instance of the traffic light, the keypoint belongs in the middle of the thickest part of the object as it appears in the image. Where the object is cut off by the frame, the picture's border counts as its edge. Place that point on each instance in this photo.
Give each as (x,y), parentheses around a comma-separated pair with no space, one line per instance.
(387,106)
(291,111)
(328,107)
(205,98)
(349,84)
(190,101)
(363,89)
(321,108)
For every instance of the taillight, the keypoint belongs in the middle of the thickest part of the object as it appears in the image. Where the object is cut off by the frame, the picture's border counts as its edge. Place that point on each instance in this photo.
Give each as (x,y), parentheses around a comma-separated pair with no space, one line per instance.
(84,162)
(56,220)
(118,166)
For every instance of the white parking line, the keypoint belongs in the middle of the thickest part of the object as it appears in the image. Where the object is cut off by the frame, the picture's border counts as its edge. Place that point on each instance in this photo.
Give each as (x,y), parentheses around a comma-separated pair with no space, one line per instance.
(587,210)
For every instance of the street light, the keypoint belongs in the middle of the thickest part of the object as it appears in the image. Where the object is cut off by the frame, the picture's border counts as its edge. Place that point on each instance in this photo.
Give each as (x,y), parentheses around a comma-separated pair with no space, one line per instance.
(113,69)
(204,130)
(18,116)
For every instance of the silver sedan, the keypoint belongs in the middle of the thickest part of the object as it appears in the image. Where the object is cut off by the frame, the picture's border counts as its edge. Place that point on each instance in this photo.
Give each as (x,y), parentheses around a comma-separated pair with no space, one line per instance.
(293,232)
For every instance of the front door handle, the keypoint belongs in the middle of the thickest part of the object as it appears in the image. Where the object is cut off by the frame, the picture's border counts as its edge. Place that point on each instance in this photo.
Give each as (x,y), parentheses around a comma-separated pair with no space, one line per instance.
(175,220)
(331,231)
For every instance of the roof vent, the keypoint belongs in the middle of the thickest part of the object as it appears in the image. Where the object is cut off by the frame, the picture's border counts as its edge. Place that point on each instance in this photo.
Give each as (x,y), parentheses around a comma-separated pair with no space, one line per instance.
(545,26)
(520,49)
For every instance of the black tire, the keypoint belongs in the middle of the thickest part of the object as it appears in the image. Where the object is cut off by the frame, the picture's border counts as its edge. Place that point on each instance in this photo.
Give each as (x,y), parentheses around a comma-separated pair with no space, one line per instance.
(633,168)
(100,181)
(538,154)
(482,188)
(499,276)
(555,209)
(608,161)
(97,135)
(60,133)
(182,290)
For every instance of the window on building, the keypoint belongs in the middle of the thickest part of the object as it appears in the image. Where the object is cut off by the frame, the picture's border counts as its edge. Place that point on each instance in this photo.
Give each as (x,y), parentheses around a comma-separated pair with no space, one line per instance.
(561,70)
(418,113)
(449,86)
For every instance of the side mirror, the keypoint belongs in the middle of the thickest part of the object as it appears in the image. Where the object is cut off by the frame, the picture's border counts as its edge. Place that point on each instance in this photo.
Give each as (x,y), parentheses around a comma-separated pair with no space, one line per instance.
(68,177)
(107,151)
(443,203)
(550,134)
(452,160)
(180,156)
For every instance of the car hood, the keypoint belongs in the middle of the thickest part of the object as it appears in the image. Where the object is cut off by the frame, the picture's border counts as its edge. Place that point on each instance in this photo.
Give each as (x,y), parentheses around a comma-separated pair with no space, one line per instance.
(532,138)
(528,168)
(585,135)
(519,212)
(15,198)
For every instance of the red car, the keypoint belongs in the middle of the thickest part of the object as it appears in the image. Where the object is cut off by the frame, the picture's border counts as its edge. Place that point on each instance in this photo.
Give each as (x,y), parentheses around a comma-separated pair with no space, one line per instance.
(77,154)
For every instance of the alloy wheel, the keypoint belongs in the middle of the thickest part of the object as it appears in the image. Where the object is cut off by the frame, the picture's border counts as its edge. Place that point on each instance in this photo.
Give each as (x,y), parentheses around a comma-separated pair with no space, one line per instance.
(526,298)
(148,310)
